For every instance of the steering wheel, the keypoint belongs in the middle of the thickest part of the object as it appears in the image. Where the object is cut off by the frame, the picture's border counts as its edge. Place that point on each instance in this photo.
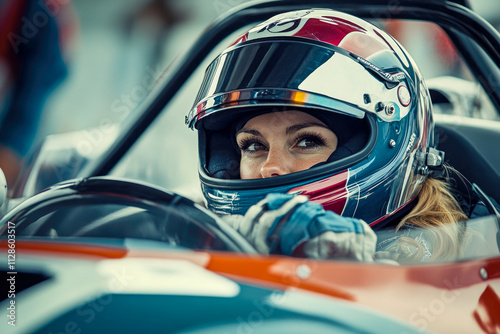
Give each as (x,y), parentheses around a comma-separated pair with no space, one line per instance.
(111,208)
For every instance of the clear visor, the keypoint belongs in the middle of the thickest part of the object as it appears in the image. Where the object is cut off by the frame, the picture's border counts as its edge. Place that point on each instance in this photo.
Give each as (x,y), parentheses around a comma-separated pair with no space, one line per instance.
(302,74)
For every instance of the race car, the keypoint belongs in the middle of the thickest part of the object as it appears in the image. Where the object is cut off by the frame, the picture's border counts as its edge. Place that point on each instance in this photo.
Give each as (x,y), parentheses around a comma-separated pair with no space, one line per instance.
(102,234)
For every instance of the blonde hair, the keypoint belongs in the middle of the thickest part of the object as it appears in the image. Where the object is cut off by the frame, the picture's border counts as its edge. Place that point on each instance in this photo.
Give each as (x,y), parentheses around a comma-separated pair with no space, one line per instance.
(438,212)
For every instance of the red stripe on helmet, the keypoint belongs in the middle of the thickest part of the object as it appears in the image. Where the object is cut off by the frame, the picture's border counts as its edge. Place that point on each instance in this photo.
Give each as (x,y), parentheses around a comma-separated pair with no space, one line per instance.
(392,213)
(330,192)
(315,29)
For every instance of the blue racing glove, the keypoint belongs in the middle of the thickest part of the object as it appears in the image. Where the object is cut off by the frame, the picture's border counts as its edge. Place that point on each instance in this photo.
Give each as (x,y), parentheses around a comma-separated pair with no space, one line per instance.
(291,225)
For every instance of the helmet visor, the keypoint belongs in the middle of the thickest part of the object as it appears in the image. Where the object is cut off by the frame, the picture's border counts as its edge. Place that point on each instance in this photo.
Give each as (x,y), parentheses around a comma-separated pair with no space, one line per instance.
(295,73)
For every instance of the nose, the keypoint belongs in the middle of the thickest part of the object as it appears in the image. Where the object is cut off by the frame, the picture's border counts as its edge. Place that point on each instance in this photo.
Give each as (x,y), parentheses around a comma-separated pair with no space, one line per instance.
(278,162)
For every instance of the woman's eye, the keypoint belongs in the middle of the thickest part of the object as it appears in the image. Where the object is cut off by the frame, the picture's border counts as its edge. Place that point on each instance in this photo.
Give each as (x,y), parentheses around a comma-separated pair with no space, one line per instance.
(252,146)
(309,142)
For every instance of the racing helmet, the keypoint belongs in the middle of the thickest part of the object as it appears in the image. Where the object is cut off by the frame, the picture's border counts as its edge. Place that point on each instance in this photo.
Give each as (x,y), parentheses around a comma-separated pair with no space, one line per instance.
(346,72)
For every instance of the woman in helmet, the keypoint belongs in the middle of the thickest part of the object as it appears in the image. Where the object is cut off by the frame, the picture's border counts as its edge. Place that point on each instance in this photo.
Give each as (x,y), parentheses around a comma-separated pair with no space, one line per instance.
(315,128)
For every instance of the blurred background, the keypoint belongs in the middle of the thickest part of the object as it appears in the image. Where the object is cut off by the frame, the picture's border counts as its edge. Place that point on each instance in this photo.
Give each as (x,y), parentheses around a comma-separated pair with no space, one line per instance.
(118,45)
(116,49)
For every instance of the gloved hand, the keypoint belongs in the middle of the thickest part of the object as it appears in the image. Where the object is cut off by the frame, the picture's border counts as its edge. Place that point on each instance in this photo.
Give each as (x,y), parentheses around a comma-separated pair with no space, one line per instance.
(291,225)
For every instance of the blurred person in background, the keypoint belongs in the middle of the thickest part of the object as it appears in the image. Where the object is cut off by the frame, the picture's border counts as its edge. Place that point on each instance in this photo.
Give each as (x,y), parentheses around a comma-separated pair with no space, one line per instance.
(156,18)
(32,63)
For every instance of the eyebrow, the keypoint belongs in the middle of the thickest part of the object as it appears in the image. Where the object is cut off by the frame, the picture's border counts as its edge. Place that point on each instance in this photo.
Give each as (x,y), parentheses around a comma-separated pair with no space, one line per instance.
(297,127)
(250,131)
(290,129)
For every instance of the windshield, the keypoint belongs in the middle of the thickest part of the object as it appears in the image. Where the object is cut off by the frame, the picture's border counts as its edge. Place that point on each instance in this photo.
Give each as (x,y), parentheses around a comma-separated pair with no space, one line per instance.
(103,219)
(476,238)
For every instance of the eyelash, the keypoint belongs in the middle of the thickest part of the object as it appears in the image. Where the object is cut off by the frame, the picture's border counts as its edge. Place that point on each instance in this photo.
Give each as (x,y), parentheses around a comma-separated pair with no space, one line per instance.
(317,138)
(245,144)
